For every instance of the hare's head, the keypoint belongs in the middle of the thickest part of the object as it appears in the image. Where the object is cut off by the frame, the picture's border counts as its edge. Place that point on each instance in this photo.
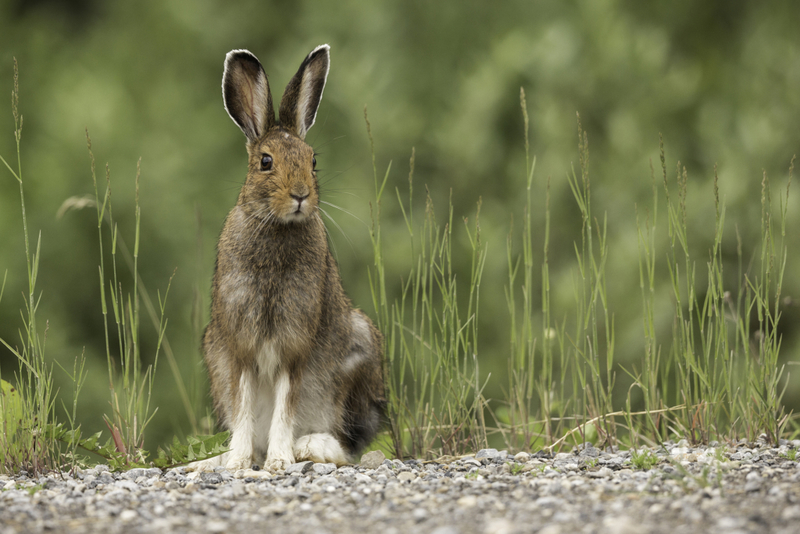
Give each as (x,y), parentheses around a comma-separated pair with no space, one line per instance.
(281,181)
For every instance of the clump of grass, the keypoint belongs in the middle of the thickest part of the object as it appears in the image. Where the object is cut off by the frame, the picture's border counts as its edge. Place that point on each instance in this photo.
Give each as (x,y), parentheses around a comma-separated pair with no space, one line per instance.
(31,437)
(27,441)
(719,454)
(433,387)
(516,469)
(643,459)
(523,382)
(714,378)
(130,386)
(540,403)
(727,379)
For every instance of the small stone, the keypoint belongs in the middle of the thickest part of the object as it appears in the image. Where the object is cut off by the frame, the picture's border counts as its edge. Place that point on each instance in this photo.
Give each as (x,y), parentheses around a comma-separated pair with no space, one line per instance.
(216,526)
(211,478)
(522,457)
(190,487)
(419,514)
(752,486)
(728,523)
(487,453)
(326,480)
(603,472)
(791,513)
(468,501)
(621,525)
(299,468)
(406,476)
(372,460)
(324,469)
(126,484)
(128,515)
(499,525)
(133,474)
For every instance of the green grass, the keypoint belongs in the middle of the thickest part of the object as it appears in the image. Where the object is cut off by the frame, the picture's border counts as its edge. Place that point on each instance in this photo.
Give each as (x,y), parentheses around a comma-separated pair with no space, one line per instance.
(32,438)
(716,377)
(643,459)
(28,409)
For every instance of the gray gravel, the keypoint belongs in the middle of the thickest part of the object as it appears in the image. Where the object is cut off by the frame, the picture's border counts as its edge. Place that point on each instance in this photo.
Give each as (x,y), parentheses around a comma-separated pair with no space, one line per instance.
(746,488)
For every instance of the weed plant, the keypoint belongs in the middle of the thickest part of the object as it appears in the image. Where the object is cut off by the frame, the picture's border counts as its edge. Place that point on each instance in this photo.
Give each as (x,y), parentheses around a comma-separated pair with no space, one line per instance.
(434,393)
(28,409)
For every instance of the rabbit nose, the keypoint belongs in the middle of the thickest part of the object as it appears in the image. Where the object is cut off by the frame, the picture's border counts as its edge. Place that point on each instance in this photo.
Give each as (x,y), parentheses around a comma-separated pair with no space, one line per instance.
(299,199)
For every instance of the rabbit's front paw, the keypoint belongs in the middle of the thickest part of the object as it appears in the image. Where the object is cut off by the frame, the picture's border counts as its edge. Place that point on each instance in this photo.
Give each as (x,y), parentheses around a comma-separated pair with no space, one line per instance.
(236,463)
(203,466)
(279,462)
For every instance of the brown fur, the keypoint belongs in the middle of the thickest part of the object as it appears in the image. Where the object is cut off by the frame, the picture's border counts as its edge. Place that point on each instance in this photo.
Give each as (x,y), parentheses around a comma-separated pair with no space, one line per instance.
(276,283)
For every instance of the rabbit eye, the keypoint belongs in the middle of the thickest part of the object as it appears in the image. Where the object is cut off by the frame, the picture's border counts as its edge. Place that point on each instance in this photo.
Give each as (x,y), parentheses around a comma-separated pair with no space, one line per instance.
(314,162)
(266,163)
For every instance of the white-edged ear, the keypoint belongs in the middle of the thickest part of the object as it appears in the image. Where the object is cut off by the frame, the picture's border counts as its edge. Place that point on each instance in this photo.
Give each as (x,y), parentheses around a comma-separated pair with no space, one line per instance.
(304,92)
(245,91)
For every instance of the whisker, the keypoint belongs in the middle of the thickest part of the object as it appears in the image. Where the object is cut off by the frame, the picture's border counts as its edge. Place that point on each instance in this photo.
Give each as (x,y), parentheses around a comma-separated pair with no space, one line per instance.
(329,141)
(325,179)
(330,239)
(336,224)
(344,211)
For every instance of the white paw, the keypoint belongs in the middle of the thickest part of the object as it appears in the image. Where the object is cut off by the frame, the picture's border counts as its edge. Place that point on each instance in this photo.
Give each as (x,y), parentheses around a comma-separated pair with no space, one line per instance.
(278,461)
(206,466)
(237,462)
(320,448)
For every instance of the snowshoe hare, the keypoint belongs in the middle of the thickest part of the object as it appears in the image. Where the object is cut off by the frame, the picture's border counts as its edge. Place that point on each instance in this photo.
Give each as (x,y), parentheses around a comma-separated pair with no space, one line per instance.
(295,371)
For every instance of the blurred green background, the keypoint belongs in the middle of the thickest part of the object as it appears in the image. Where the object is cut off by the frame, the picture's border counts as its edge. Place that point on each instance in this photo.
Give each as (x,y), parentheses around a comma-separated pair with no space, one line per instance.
(720,79)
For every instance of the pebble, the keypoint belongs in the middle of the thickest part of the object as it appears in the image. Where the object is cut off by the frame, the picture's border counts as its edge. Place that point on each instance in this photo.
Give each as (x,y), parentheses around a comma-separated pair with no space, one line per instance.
(372,460)
(490,492)
(299,468)
(324,469)
(487,453)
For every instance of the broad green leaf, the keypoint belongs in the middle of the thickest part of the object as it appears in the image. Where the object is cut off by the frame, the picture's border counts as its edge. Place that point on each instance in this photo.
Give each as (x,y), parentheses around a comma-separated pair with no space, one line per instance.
(10,409)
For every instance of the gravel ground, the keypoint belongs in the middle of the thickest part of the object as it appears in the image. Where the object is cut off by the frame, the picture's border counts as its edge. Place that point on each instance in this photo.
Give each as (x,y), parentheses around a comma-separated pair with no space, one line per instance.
(749,488)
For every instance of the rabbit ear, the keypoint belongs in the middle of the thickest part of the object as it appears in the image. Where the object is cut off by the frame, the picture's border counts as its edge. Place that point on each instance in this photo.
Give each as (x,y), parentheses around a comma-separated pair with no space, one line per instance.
(304,92)
(245,91)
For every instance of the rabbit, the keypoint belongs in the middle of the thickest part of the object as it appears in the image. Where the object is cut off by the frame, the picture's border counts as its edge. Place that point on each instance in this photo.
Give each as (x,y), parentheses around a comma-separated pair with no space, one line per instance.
(295,372)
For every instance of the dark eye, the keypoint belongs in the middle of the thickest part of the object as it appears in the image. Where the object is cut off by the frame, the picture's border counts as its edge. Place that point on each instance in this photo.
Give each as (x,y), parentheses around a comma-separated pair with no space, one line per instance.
(314,162)
(266,163)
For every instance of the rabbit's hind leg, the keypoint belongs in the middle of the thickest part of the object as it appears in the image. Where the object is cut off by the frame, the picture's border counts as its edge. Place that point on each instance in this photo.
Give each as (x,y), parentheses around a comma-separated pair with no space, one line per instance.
(320,448)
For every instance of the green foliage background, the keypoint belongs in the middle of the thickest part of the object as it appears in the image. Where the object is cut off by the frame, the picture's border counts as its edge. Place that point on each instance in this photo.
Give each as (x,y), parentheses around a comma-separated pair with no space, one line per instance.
(718,78)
